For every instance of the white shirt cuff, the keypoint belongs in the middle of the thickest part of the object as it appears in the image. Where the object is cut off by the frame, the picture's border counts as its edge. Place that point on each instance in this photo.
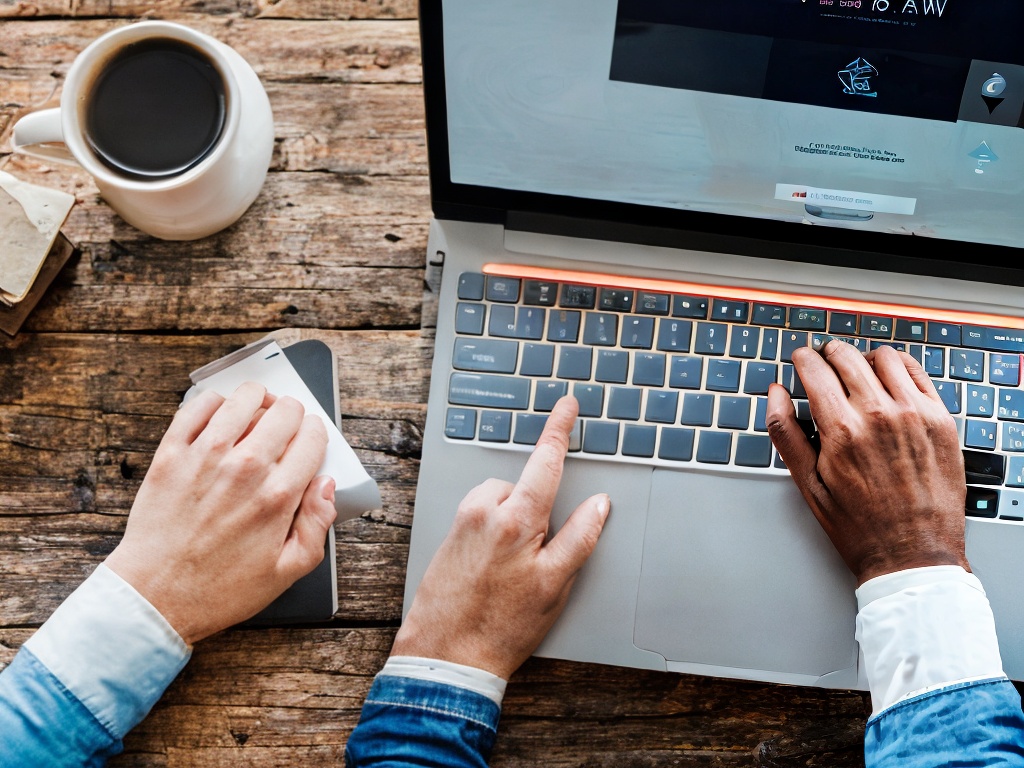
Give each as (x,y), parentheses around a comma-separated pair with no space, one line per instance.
(449,673)
(112,649)
(924,628)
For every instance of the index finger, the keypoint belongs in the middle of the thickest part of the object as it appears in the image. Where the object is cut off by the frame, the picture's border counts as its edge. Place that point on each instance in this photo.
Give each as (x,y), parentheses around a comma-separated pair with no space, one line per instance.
(538,484)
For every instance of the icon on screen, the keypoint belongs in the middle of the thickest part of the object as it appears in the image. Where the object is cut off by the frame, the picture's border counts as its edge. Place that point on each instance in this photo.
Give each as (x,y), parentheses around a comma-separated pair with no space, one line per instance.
(992,91)
(984,155)
(856,78)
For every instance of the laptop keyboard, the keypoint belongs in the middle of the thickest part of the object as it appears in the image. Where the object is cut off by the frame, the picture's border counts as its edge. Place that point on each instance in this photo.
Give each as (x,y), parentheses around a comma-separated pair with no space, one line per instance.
(676,375)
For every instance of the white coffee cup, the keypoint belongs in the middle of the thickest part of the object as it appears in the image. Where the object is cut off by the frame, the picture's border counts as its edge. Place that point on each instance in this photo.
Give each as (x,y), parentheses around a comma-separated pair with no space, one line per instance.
(192,199)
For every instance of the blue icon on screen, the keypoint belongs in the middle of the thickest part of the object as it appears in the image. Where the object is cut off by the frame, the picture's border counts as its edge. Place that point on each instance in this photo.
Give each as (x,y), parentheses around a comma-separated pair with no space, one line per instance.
(984,155)
(856,78)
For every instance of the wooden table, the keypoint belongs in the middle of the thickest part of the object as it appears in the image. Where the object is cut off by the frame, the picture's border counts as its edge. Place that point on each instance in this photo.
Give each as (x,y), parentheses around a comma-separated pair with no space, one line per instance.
(333,248)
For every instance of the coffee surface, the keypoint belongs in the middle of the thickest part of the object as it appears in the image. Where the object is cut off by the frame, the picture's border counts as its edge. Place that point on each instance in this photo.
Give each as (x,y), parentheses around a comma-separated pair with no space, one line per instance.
(156,109)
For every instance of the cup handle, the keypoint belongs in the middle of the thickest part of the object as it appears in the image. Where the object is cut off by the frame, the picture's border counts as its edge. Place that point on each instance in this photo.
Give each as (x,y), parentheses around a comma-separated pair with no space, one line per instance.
(39,134)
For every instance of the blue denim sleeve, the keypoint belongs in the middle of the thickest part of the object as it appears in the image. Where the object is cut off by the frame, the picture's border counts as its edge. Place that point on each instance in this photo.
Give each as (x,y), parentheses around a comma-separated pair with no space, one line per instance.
(976,723)
(44,724)
(407,722)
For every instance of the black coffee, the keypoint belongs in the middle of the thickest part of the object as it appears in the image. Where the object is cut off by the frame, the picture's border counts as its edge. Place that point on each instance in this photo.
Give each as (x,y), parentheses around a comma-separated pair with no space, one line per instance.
(156,109)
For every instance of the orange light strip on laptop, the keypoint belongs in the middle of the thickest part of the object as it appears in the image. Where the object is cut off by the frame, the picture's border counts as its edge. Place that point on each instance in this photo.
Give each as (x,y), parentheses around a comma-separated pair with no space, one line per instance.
(754,294)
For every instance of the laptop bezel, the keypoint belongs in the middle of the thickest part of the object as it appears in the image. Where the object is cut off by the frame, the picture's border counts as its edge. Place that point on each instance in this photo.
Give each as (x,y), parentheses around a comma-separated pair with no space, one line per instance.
(631,223)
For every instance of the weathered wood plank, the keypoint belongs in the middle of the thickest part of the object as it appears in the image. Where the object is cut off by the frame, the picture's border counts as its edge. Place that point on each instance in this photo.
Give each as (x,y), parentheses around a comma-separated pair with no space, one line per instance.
(187,10)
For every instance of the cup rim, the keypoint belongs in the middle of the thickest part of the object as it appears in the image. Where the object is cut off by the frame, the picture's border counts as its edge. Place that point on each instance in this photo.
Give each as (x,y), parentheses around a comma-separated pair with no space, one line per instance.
(85,64)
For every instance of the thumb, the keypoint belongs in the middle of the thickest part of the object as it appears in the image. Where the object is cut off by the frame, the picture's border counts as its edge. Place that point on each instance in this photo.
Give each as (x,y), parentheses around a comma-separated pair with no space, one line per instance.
(304,548)
(569,549)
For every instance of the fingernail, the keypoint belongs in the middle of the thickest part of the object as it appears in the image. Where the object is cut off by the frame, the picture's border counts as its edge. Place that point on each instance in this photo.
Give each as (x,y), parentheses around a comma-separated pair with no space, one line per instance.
(820,342)
(604,506)
(327,489)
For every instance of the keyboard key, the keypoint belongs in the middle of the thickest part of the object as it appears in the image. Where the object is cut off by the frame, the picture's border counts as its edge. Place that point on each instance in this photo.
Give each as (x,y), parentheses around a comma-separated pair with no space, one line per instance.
(638,440)
(916,351)
(661,406)
(601,437)
(601,329)
(612,366)
(637,332)
(1011,404)
(528,428)
(769,314)
(564,326)
(935,361)
(910,330)
(648,369)
(677,444)
(469,319)
(471,286)
(590,398)
(791,381)
(894,344)
(770,344)
(574,363)
(674,335)
(488,391)
(615,300)
(540,293)
(548,393)
(538,360)
(1013,437)
(685,372)
(967,364)
(982,502)
(981,401)
(753,451)
(1004,369)
(578,297)
(875,327)
(744,342)
(648,303)
(733,412)
(495,426)
(624,403)
(803,319)
(723,375)
(711,339)
(1015,472)
(842,324)
(792,341)
(949,391)
(503,289)
(944,333)
(980,434)
(460,423)
(530,323)
(714,447)
(761,415)
(994,339)
(758,376)
(984,468)
(697,410)
(1011,506)
(502,322)
(693,307)
(731,311)
(487,355)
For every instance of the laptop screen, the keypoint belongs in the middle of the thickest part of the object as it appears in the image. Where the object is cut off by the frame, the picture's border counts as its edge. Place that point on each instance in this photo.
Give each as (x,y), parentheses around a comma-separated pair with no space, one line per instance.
(900,119)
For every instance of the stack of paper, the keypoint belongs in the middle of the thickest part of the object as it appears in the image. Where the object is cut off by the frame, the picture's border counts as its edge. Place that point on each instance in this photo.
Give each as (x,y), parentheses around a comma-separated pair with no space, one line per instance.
(32,250)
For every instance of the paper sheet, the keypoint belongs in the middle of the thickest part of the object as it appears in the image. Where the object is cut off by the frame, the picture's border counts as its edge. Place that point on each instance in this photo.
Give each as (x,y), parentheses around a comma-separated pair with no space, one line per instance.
(356,492)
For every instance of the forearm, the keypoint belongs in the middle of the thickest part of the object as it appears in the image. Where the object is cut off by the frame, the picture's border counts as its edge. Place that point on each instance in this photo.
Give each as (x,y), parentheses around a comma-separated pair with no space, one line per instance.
(932,661)
(424,712)
(88,676)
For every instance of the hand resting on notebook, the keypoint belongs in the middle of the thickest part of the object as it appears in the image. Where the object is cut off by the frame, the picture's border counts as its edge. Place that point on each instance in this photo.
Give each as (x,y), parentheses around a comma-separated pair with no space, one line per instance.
(888,482)
(496,585)
(230,513)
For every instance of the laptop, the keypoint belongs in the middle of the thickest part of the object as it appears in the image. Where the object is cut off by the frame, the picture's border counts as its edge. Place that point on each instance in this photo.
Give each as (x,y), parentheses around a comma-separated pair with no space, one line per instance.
(648,205)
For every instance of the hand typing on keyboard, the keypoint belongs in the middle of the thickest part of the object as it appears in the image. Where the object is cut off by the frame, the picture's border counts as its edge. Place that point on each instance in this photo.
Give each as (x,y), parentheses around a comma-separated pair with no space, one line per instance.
(887,484)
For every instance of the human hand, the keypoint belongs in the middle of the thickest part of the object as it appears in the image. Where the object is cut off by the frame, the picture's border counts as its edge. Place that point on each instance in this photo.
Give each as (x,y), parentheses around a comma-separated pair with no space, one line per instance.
(495,586)
(229,514)
(888,483)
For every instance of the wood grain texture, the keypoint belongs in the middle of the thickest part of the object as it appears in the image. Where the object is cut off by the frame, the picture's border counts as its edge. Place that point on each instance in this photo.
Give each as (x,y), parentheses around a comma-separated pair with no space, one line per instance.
(333,248)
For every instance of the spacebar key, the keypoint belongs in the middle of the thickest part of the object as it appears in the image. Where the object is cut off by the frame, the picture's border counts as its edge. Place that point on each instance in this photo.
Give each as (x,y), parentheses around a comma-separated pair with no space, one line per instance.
(487,391)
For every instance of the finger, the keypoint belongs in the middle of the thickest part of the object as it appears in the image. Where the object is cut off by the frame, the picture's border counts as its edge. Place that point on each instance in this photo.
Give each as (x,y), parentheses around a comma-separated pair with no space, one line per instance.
(232,419)
(193,416)
(793,446)
(826,390)
(489,494)
(538,484)
(305,453)
(853,370)
(273,432)
(902,375)
(304,548)
(570,548)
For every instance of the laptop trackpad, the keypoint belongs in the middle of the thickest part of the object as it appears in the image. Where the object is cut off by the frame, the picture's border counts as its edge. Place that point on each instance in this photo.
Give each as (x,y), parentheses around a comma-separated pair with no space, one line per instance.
(737,573)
